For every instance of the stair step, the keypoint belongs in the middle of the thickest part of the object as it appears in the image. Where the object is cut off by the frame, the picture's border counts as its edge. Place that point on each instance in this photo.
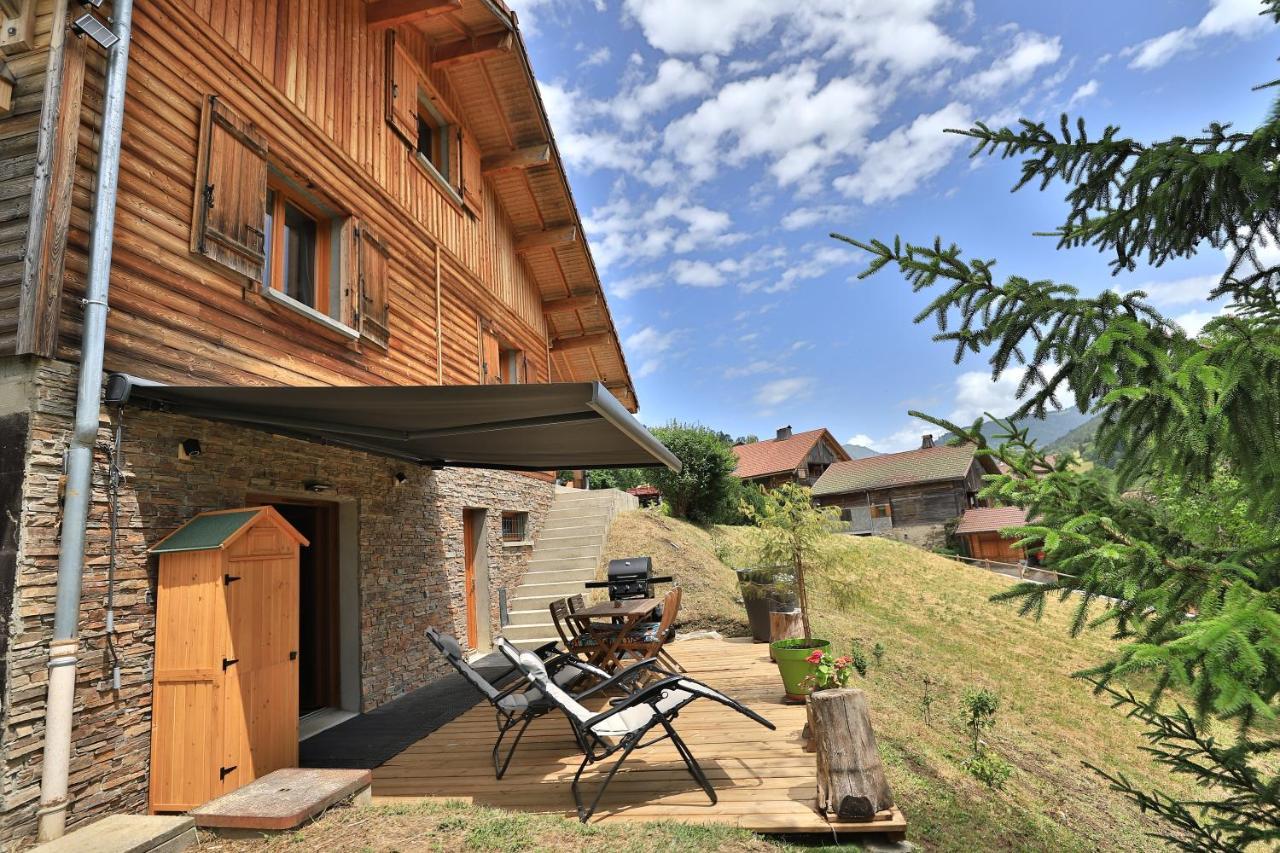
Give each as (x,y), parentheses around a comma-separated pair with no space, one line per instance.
(558,588)
(572,540)
(544,564)
(555,575)
(572,552)
(530,636)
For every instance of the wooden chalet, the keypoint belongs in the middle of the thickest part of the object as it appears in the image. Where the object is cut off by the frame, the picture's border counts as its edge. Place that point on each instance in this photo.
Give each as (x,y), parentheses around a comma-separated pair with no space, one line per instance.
(788,457)
(910,495)
(320,204)
(979,532)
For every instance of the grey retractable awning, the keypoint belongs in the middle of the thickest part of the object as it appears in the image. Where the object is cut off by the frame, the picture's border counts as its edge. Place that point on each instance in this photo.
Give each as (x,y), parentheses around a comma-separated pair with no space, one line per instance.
(515,427)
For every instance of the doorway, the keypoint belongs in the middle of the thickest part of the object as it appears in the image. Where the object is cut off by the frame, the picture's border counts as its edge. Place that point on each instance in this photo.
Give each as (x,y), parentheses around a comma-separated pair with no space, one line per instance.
(319,628)
(475,579)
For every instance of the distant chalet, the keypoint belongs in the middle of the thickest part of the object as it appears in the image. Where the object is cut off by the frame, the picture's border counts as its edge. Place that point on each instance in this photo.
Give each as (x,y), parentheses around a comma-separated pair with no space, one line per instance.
(801,458)
(910,495)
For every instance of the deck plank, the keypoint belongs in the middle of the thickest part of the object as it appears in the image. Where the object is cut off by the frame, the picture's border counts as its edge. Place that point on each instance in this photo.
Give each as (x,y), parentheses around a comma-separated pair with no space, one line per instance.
(765,780)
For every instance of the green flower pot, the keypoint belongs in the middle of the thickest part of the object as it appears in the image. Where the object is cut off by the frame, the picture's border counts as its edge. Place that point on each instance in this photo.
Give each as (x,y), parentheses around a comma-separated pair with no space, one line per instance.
(792,659)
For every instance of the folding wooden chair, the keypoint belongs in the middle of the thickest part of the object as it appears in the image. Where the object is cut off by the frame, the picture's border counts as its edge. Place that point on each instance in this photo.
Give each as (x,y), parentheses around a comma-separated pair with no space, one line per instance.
(622,726)
(649,639)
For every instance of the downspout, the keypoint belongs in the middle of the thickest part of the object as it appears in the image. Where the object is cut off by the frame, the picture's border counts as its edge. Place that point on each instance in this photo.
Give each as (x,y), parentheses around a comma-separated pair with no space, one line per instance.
(66,620)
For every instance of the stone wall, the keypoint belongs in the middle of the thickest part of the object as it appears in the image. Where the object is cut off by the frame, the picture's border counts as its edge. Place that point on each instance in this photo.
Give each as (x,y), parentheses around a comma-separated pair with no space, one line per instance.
(410,574)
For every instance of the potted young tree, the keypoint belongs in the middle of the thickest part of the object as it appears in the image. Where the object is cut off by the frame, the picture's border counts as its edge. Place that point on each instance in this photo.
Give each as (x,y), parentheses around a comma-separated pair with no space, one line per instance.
(790,531)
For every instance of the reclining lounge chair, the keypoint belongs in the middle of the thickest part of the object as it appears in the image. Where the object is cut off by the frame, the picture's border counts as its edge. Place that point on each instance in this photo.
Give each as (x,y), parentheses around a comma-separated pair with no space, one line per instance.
(517,705)
(622,727)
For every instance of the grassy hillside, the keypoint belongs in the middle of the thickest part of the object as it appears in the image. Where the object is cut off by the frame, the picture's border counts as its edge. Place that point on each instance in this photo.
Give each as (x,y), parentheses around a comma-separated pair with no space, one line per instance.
(933,618)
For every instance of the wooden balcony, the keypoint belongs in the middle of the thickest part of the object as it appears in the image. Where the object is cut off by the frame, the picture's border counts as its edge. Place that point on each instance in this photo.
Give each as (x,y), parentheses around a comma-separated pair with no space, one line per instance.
(764,779)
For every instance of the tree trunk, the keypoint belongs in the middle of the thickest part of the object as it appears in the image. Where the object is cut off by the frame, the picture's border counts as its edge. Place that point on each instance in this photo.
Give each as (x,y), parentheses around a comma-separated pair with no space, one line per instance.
(786,625)
(851,782)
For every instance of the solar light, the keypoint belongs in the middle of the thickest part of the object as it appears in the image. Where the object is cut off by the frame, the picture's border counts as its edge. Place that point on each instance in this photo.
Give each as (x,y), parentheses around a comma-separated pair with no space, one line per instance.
(189,449)
(89,25)
(318,488)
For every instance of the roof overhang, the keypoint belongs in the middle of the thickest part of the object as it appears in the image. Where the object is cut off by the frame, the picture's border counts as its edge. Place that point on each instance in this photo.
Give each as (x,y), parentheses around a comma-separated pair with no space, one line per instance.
(509,427)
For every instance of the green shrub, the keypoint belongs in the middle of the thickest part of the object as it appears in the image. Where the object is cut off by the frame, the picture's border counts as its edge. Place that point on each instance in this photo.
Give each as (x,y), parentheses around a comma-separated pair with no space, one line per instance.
(699,490)
(988,768)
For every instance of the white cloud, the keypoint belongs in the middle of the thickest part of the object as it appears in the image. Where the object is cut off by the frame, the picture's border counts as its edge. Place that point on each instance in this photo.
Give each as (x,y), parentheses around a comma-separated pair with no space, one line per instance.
(1240,18)
(697,274)
(1193,321)
(786,117)
(599,56)
(804,217)
(861,438)
(753,368)
(1179,291)
(629,286)
(675,81)
(895,165)
(581,147)
(649,344)
(907,437)
(1030,51)
(977,394)
(1083,93)
(900,34)
(778,391)
(624,231)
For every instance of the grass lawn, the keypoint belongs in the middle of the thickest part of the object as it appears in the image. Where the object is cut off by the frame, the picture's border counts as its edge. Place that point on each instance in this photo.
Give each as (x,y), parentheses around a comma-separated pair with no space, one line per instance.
(933,618)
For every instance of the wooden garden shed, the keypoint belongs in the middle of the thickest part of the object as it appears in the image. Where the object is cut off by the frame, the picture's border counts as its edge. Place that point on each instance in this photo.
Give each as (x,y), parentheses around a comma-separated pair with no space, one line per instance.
(225,704)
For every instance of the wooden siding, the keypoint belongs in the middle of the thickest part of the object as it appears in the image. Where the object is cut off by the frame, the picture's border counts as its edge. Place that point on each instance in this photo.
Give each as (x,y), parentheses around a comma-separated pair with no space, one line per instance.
(310,76)
(18,140)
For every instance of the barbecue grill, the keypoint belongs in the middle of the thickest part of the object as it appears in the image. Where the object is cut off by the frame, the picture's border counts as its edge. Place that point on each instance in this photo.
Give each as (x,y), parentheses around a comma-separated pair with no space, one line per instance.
(630,577)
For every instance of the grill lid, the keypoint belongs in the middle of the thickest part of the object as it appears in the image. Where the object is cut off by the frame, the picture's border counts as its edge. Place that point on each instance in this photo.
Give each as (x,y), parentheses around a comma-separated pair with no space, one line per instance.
(630,567)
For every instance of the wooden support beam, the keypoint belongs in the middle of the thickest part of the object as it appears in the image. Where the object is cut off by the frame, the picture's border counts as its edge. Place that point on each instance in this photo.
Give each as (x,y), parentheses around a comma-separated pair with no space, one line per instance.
(7,83)
(546,239)
(454,53)
(570,303)
(521,158)
(581,342)
(388,13)
(17,26)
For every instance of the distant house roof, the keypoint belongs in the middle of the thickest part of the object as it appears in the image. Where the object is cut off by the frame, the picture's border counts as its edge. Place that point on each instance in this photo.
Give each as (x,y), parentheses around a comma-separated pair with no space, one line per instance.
(989,519)
(926,465)
(780,455)
(645,491)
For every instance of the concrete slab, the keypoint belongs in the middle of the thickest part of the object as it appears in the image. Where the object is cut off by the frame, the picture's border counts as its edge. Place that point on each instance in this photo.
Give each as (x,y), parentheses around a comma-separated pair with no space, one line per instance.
(127,833)
(283,799)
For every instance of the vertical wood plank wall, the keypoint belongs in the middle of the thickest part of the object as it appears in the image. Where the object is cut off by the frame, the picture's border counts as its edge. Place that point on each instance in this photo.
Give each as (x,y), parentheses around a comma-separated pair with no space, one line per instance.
(311,77)
(18,134)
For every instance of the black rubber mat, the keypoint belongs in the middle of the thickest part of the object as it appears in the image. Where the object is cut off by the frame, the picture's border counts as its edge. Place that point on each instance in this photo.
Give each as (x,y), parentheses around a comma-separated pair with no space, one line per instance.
(374,738)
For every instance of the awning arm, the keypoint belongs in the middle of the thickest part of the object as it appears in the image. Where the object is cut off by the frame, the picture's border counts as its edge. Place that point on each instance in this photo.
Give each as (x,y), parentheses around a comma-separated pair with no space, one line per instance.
(608,407)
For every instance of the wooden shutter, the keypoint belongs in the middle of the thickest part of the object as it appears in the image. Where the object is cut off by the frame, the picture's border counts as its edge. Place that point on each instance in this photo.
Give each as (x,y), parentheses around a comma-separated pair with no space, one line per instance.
(371,258)
(490,357)
(471,179)
(231,191)
(402,91)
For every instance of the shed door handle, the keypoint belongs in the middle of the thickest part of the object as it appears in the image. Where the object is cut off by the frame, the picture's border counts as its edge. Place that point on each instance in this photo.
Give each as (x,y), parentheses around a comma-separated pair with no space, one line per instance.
(226,662)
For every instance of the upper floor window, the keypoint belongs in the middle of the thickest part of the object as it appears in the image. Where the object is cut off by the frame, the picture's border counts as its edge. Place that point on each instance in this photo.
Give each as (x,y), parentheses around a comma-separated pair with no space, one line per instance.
(434,144)
(298,249)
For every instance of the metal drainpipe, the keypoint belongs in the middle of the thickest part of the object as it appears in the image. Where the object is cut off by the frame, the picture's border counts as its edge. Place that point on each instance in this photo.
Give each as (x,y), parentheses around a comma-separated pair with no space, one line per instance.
(66,620)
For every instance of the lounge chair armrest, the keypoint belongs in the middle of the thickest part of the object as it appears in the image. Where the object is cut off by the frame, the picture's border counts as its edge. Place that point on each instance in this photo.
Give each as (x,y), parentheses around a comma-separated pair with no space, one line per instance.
(622,679)
(547,651)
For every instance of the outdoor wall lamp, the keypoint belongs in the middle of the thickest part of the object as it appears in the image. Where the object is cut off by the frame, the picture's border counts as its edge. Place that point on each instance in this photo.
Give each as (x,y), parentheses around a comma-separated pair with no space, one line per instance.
(189,448)
(317,488)
(400,478)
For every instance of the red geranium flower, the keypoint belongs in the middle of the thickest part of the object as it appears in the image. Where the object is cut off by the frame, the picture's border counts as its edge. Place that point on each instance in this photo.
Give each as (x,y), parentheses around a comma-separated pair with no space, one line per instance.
(816,657)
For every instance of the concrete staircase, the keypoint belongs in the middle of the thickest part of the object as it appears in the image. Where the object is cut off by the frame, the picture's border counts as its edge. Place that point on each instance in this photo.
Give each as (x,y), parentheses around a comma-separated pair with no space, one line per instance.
(565,556)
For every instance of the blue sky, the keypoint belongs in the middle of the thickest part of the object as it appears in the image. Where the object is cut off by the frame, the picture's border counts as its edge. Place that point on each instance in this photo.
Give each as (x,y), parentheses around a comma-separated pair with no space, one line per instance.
(712,145)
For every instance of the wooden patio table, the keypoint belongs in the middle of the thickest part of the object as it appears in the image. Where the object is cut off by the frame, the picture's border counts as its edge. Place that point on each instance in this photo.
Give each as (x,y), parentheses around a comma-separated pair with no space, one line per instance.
(607,637)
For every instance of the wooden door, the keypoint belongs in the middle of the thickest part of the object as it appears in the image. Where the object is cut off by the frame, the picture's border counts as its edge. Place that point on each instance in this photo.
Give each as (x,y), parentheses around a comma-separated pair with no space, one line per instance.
(491,358)
(260,697)
(471,520)
(186,705)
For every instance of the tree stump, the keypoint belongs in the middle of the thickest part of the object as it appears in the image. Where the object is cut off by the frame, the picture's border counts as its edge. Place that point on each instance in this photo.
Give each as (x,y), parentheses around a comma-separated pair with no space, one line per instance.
(785,625)
(851,782)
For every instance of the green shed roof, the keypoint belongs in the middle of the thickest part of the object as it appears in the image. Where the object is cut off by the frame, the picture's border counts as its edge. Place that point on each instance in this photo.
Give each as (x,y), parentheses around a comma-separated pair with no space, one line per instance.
(207,531)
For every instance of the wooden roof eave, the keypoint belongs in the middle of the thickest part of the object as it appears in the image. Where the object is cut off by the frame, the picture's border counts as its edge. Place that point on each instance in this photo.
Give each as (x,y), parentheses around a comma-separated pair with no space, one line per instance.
(519,54)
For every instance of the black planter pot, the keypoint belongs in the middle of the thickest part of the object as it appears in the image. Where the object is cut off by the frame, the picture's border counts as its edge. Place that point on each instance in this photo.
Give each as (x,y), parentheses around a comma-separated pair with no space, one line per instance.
(765,591)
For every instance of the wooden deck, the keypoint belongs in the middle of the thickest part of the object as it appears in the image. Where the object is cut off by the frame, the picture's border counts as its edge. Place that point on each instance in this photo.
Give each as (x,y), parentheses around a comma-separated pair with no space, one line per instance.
(765,780)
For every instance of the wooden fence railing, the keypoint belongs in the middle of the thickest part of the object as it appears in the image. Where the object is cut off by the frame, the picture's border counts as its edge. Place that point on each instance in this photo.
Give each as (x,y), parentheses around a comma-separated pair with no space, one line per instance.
(1021,571)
